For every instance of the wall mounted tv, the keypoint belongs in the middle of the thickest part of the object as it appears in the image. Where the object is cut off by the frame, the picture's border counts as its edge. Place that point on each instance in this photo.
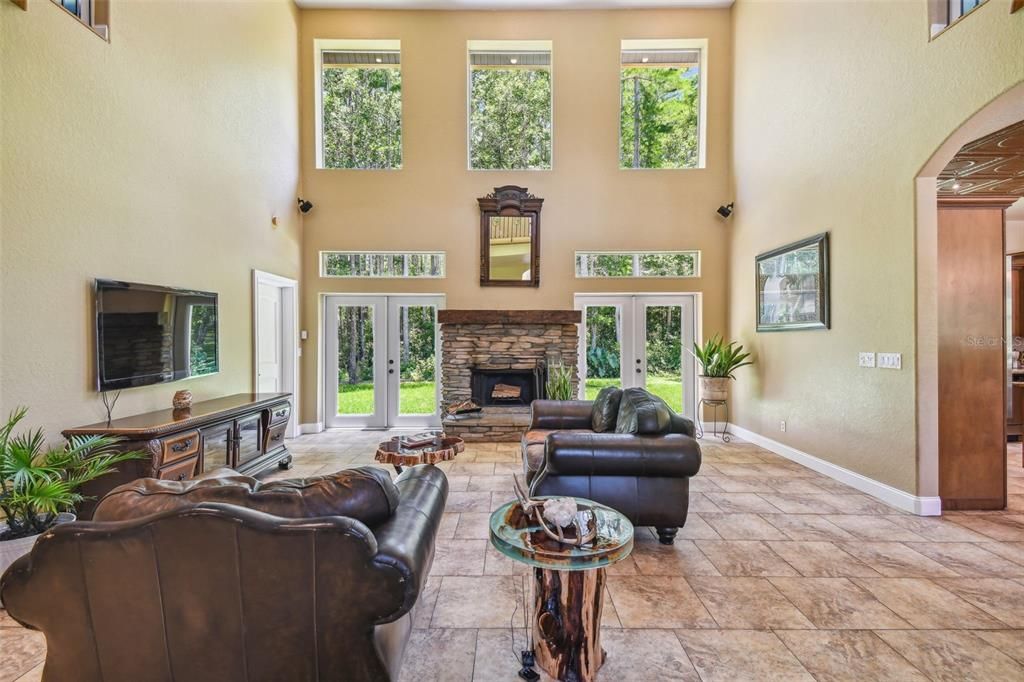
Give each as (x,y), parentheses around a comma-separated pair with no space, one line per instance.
(149,334)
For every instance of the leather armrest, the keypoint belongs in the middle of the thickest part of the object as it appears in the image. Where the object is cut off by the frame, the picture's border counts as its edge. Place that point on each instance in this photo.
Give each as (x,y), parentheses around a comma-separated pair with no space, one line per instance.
(622,454)
(405,542)
(561,414)
(680,424)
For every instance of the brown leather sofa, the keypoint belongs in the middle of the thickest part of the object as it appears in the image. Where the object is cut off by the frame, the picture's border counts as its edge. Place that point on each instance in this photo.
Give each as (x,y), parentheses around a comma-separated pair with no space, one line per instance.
(645,477)
(228,579)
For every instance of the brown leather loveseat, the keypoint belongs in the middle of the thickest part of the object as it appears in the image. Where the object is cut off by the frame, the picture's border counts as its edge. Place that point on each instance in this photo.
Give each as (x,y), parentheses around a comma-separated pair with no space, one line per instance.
(228,579)
(639,463)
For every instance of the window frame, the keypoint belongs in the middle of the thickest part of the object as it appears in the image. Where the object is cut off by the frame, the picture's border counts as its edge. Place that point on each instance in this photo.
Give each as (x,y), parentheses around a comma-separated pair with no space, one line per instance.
(636,255)
(320,45)
(93,14)
(507,46)
(700,44)
(368,252)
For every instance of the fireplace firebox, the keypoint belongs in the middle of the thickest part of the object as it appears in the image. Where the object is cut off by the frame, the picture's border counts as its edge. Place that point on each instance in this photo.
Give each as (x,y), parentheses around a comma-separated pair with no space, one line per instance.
(507,387)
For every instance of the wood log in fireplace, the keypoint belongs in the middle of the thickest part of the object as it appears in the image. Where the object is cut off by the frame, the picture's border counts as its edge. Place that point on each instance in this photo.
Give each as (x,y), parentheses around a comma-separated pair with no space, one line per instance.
(506,392)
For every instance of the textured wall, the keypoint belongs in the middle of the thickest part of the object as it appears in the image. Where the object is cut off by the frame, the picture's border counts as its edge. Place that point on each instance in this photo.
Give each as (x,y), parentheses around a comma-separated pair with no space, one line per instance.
(159,157)
(836,108)
(589,202)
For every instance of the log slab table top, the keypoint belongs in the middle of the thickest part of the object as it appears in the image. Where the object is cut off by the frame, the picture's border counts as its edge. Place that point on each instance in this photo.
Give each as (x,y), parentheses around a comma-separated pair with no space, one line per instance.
(568,585)
(443,449)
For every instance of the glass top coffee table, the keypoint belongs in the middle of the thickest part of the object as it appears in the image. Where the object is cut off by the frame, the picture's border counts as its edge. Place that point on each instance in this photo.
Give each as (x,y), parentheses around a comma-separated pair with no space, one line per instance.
(568,585)
(442,449)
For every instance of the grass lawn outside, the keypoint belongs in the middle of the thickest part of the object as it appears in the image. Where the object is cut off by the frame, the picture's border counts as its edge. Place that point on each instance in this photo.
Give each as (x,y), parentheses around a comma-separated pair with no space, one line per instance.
(668,388)
(414,397)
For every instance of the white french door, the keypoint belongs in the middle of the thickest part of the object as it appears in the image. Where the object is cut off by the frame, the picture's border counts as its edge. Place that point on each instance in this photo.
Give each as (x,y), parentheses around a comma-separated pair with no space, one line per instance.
(381,361)
(639,340)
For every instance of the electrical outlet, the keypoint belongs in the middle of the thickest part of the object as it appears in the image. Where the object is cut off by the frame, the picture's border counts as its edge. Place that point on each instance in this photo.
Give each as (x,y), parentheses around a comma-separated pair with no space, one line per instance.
(890,360)
(866,359)
(782,426)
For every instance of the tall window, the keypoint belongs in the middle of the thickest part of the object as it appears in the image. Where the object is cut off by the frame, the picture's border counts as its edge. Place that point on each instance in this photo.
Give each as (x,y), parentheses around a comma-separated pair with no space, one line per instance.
(660,118)
(359,104)
(509,105)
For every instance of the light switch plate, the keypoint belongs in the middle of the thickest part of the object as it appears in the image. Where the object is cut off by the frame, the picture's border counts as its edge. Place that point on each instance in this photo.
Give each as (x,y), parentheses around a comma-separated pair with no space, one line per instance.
(867,359)
(890,360)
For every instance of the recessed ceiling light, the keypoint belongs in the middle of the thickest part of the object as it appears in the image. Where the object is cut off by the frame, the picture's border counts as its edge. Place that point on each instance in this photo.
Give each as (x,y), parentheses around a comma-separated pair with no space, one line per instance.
(645,59)
(513,61)
(379,60)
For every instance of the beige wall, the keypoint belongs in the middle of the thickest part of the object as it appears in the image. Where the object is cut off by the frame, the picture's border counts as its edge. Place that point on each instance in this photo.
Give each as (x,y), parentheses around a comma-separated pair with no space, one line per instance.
(829,134)
(589,202)
(159,157)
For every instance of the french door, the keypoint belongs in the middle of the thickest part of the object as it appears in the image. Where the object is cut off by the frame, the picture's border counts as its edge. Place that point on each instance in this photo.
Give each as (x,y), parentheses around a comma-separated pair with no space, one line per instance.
(381,361)
(639,340)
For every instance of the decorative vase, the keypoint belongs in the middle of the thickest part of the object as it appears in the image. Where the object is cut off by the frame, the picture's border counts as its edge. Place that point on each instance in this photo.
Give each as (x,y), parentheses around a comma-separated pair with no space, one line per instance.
(714,388)
(12,550)
(182,400)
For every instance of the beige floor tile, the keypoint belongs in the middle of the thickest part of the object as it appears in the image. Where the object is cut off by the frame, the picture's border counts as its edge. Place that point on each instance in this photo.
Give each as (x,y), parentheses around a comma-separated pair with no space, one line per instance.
(458,557)
(657,602)
(730,655)
(953,655)
(795,485)
(699,502)
(449,522)
(742,485)
(848,656)
(837,604)
(458,484)
(992,526)
(424,609)
(490,484)
(873,528)
(697,528)
(934,529)
(643,655)
(20,651)
(1001,598)
(496,563)
(479,602)
(896,560)
(680,558)
(1014,551)
(33,675)
(969,560)
(703,484)
(745,558)
(439,655)
(471,468)
(743,527)
(474,526)
(747,603)
(496,652)
(1010,642)
(807,527)
(469,502)
(821,560)
(740,503)
(926,605)
(609,614)
(857,504)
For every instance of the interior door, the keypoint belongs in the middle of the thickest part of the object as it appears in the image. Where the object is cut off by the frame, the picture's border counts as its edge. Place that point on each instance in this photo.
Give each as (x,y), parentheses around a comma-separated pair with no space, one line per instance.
(639,340)
(268,338)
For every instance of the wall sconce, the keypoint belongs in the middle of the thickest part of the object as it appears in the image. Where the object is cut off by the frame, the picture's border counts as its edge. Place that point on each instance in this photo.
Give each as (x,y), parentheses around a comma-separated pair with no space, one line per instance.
(305,206)
(725,211)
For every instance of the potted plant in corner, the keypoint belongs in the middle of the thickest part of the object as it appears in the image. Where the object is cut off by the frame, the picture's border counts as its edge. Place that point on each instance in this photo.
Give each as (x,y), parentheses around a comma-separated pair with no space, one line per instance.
(559,383)
(39,485)
(718,361)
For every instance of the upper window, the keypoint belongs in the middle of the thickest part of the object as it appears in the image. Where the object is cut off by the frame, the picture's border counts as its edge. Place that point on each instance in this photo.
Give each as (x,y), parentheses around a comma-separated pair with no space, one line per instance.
(662,104)
(638,263)
(382,264)
(509,105)
(95,14)
(359,104)
(944,13)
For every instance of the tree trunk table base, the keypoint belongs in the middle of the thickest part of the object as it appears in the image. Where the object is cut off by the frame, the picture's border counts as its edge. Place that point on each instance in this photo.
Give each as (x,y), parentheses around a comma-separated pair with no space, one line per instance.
(567,623)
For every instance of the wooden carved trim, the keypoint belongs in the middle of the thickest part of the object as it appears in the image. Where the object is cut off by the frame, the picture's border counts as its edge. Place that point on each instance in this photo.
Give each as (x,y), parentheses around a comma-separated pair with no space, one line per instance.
(976,201)
(512,317)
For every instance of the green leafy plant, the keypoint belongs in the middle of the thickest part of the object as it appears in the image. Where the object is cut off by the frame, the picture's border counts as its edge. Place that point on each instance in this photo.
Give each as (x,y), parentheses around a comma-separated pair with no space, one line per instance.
(720,359)
(37,483)
(559,384)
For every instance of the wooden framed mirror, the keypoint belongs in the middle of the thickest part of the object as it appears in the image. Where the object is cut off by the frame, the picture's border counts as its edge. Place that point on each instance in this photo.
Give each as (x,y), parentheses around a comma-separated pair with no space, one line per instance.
(510,238)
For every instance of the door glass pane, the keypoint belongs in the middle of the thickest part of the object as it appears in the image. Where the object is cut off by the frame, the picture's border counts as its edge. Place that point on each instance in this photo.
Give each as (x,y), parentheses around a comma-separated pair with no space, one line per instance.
(604,348)
(355,359)
(416,336)
(664,352)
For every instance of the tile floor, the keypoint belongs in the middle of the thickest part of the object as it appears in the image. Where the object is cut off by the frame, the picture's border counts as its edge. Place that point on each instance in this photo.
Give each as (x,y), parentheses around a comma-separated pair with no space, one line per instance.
(780,573)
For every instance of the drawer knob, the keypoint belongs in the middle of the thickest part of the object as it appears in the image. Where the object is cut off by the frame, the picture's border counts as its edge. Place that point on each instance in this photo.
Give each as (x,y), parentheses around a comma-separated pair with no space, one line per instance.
(182,477)
(182,446)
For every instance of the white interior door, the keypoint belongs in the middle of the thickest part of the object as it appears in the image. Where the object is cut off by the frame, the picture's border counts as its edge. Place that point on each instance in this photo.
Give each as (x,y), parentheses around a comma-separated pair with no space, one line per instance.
(639,340)
(381,361)
(268,338)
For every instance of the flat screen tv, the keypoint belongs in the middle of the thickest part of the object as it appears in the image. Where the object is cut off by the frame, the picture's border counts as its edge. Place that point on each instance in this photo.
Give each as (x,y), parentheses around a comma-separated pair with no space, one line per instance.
(148,334)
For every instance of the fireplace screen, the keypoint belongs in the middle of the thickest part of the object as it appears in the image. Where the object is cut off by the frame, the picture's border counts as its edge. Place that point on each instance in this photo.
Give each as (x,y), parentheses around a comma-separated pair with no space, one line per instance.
(507,387)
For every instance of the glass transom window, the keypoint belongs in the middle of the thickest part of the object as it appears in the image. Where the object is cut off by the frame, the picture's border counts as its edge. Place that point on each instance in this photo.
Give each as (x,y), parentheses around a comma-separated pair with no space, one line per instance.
(382,264)
(638,263)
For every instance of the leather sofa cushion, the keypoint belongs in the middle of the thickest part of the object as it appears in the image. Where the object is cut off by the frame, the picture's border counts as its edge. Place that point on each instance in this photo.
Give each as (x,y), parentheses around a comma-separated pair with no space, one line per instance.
(533,446)
(606,409)
(365,493)
(642,413)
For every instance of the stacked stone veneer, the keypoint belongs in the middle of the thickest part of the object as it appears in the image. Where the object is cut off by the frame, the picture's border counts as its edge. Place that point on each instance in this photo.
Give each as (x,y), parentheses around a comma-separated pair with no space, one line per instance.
(500,340)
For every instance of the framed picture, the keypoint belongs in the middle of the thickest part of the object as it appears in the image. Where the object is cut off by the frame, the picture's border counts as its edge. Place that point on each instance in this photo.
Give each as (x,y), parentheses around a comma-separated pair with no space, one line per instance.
(792,286)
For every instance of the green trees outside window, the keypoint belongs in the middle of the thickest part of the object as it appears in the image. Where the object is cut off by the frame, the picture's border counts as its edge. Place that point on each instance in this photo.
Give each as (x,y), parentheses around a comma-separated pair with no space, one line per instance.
(637,264)
(510,118)
(362,117)
(659,117)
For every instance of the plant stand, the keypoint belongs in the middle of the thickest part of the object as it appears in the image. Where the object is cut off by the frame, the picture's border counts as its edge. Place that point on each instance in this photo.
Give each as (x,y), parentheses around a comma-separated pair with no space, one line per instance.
(715,404)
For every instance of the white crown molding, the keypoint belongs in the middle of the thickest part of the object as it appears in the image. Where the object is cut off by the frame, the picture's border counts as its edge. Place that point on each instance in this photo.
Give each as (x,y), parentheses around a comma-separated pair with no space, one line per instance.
(922,506)
(512,5)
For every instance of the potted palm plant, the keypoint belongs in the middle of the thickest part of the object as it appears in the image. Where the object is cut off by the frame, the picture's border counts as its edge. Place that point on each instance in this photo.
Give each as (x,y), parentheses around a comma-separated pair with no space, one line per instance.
(39,484)
(718,361)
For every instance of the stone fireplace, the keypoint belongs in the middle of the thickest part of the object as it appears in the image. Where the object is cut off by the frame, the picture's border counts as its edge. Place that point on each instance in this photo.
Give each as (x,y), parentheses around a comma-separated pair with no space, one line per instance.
(499,360)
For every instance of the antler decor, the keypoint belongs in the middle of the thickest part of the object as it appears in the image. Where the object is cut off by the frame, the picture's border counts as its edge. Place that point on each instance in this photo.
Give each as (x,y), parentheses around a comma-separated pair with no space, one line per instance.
(535,510)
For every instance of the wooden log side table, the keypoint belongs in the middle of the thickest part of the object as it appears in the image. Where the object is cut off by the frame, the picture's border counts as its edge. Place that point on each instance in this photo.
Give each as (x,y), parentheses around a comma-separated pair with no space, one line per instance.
(568,585)
(443,449)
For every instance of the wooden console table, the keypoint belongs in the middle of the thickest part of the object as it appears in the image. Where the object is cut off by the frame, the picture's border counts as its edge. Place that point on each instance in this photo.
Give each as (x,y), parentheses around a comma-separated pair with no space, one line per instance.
(244,432)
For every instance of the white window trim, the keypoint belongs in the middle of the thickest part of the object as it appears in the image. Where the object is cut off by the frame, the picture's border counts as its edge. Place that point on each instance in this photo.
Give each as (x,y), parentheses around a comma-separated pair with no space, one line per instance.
(636,254)
(321,44)
(526,45)
(702,96)
(405,263)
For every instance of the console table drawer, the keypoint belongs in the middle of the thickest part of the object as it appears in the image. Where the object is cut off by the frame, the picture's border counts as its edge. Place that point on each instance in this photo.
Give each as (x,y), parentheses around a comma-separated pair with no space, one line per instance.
(279,413)
(275,436)
(179,471)
(180,446)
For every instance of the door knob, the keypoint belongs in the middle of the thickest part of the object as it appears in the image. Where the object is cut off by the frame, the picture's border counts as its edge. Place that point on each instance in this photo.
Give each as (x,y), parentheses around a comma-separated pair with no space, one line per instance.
(638,371)
(391,371)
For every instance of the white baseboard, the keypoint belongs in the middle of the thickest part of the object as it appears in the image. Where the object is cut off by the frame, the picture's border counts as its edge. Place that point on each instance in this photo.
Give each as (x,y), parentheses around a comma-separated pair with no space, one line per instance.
(311,428)
(922,506)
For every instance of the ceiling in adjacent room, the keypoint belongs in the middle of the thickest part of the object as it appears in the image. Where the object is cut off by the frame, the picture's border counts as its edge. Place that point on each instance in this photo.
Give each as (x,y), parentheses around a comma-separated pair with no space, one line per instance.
(990,166)
(510,4)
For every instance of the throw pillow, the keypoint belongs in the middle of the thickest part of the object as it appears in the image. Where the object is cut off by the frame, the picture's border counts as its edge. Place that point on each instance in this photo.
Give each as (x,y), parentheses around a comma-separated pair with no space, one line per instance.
(606,409)
(642,413)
